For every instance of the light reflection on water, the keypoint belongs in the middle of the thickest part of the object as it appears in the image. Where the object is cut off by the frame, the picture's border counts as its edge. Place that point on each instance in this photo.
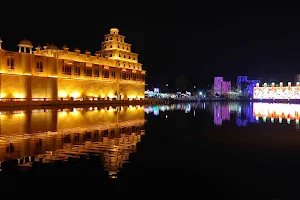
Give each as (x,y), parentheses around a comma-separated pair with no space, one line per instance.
(57,134)
(242,113)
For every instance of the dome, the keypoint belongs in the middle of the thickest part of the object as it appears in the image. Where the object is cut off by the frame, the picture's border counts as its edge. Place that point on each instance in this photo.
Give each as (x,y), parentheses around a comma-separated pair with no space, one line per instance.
(65,46)
(52,46)
(25,42)
(114,31)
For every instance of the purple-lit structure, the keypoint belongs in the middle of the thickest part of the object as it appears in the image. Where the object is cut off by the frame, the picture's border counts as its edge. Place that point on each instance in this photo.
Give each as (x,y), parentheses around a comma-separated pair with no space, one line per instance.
(221,86)
(245,86)
(218,85)
(226,87)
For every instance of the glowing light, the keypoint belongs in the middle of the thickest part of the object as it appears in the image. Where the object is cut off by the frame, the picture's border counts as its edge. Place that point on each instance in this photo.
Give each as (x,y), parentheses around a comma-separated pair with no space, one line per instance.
(18,95)
(62,94)
(62,114)
(3,95)
(75,94)
(278,110)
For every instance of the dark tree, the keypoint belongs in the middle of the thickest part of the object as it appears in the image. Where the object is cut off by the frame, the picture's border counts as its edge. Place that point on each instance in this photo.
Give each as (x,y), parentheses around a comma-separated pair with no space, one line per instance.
(181,83)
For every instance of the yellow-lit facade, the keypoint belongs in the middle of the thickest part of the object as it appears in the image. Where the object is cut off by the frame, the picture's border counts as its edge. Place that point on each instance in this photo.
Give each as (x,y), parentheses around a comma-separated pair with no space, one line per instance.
(53,73)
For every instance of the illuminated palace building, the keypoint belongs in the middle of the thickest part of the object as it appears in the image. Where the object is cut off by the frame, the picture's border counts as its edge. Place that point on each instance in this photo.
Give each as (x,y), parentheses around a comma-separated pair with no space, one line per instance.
(53,73)
(273,92)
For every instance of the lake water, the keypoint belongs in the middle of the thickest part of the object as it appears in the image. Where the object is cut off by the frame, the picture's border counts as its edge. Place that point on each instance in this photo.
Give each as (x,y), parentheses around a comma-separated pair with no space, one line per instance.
(225,150)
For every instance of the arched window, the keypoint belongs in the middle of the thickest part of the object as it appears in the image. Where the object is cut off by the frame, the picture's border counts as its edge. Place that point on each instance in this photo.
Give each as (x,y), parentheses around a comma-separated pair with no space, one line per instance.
(119,55)
(39,66)
(10,63)
(124,55)
(128,57)
(110,46)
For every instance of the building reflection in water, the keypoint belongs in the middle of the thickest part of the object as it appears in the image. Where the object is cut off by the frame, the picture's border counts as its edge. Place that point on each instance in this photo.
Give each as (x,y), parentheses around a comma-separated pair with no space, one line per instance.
(161,108)
(221,113)
(243,112)
(252,112)
(51,134)
(277,111)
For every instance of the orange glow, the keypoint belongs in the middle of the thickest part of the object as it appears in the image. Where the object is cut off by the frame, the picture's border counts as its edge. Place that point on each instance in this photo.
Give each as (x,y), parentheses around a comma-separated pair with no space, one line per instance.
(278,110)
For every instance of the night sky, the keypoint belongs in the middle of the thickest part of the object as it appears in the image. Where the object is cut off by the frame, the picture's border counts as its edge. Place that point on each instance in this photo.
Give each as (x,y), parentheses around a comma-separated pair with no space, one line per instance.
(199,41)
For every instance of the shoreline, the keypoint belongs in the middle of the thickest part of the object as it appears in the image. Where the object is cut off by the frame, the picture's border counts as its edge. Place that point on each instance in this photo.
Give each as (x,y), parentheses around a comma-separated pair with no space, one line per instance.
(59,103)
(10,103)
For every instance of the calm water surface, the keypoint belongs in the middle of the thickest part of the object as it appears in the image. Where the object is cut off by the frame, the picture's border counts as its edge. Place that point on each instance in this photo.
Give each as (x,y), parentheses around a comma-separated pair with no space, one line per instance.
(222,150)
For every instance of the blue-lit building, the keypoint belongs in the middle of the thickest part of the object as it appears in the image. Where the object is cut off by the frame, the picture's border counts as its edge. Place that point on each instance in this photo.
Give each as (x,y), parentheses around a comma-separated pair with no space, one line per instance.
(245,86)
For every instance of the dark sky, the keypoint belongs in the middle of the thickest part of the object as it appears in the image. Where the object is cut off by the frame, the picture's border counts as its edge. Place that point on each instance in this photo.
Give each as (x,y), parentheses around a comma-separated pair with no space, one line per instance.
(199,41)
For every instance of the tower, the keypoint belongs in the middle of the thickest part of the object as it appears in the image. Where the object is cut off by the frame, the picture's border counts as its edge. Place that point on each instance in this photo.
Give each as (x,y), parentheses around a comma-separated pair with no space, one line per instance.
(116,49)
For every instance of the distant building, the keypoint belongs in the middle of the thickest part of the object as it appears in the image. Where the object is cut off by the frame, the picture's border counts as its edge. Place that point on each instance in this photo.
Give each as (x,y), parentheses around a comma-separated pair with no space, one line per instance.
(218,85)
(245,86)
(221,86)
(226,87)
